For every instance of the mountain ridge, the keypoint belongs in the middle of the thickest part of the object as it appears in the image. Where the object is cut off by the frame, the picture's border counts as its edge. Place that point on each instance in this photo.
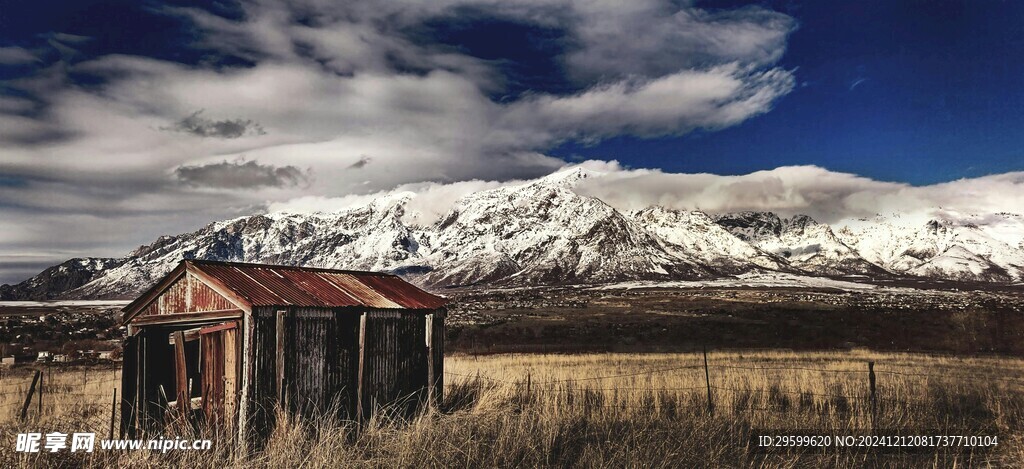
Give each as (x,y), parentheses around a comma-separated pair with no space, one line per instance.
(542,232)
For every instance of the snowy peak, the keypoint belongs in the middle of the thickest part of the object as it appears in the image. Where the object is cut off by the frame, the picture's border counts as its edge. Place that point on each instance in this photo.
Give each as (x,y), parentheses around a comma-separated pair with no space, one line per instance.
(566,178)
(544,232)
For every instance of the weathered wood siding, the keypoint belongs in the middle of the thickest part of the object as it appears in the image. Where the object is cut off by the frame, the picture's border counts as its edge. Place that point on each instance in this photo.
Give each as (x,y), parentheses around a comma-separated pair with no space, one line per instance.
(263,388)
(321,357)
(321,362)
(320,354)
(395,361)
(187,295)
(219,357)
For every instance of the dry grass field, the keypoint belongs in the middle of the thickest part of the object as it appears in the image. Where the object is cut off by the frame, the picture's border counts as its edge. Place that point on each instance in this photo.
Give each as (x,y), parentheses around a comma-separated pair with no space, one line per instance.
(605,410)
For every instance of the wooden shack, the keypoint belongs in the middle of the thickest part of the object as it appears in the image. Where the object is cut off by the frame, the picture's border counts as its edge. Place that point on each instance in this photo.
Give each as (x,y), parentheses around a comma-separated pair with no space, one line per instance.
(226,343)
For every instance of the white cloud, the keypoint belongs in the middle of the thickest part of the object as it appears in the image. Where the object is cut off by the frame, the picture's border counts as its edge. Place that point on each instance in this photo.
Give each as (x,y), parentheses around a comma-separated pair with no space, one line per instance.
(673,104)
(825,195)
(429,203)
(16,56)
(346,95)
(662,38)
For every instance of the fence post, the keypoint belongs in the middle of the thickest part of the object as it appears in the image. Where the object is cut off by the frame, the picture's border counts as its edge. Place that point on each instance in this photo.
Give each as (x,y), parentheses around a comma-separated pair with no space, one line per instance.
(707,380)
(113,409)
(28,396)
(527,384)
(874,400)
(41,383)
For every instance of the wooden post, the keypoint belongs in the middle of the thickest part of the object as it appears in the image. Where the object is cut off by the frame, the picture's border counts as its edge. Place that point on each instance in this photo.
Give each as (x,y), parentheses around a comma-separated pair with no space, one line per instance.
(28,396)
(362,367)
(142,398)
(707,379)
(280,325)
(527,383)
(180,374)
(113,410)
(431,377)
(41,383)
(874,400)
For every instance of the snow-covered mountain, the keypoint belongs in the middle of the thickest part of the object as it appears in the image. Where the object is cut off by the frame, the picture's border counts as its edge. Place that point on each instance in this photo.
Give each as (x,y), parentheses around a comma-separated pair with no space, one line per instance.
(370,237)
(695,235)
(56,280)
(952,249)
(543,232)
(806,244)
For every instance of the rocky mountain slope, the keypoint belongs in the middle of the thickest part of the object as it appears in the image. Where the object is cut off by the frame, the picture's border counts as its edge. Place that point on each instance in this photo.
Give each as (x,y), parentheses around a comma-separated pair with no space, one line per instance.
(543,232)
(55,281)
(805,244)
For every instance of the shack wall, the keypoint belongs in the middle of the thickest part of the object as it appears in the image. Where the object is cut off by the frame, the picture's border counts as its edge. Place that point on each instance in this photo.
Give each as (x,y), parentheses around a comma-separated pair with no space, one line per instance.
(395,361)
(321,356)
(321,366)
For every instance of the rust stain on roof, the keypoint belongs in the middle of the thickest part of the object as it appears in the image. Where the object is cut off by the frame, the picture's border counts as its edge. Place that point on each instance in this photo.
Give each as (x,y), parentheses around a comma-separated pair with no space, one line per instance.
(274,285)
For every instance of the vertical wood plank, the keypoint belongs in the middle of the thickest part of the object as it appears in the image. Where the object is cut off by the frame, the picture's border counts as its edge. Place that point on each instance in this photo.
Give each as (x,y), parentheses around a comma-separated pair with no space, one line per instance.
(142,396)
(181,374)
(428,333)
(230,391)
(280,357)
(437,356)
(362,367)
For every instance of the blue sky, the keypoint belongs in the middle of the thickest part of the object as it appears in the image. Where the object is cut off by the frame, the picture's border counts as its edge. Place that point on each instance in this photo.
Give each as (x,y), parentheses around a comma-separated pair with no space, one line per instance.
(913,91)
(162,116)
(919,92)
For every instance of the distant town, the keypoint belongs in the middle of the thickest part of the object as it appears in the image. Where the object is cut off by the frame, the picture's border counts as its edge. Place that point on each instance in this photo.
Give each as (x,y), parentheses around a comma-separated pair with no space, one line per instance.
(60,333)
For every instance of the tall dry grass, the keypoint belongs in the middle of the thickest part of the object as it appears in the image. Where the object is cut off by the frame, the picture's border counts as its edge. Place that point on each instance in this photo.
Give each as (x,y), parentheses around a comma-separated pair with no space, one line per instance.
(635,410)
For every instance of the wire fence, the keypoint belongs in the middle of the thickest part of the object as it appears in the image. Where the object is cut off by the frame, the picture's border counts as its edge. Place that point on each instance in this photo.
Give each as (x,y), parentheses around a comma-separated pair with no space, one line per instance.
(713,392)
(91,396)
(87,397)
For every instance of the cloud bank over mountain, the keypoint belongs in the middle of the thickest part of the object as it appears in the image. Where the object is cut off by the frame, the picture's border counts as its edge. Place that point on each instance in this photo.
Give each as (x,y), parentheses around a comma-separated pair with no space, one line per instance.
(826,196)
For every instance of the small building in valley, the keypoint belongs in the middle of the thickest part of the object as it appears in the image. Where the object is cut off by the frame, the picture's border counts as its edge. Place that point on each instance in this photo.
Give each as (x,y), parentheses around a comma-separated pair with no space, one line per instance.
(227,343)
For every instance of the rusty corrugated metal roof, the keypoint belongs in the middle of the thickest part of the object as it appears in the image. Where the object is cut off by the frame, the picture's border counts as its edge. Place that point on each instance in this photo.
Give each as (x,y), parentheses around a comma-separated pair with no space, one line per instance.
(403,293)
(274,285)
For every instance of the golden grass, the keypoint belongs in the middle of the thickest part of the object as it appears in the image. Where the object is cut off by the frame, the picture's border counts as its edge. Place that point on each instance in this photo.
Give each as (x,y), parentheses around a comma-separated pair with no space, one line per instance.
(86,392)
(628,410)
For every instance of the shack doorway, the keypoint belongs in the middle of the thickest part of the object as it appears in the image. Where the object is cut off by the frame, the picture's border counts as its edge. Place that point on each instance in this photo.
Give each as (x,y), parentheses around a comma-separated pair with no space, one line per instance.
(219,371)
